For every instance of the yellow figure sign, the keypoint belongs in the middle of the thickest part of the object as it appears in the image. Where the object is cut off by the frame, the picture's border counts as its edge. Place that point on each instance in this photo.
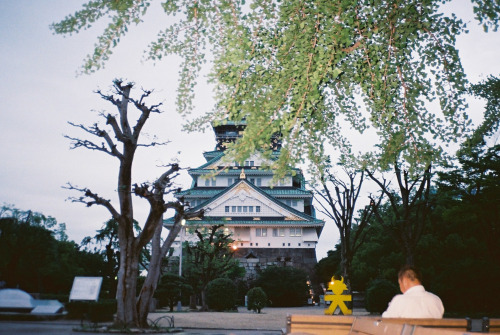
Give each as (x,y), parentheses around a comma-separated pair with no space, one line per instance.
(337,299)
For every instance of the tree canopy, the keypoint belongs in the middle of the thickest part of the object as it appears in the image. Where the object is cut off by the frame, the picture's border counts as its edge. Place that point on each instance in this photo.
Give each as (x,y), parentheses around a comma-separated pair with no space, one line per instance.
(308,69)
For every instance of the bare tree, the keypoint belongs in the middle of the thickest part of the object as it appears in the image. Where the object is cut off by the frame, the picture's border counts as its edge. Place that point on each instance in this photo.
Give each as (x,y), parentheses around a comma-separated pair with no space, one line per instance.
(132,310)
(340,206)
(409,208)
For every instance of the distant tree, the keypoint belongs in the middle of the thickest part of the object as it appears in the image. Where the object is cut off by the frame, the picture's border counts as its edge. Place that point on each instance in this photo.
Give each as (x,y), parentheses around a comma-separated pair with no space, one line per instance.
(130,309)
(171,289)
(35,219)
(460,243)
(338,196)
(380,256)
(108,236)
(284,286)
(488,90)
(329,266)
(379,294)
(257,299)
(221,294)
(209,258)
(32,259)
(410,206)
(465,230)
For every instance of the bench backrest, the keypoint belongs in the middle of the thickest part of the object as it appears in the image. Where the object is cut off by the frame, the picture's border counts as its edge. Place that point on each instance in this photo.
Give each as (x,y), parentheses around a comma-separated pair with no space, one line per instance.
(344,325)
(453,324)
(371,326)
(319,324)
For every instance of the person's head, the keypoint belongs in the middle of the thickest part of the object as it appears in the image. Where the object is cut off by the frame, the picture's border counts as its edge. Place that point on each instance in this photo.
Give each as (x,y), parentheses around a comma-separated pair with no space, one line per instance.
(408,277)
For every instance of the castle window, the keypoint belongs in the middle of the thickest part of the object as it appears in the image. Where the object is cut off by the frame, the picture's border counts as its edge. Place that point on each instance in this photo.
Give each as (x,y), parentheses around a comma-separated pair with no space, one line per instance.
(249,163)
(233,209)
(299,244)
(269,244)
(239,209)
(207,182)
(257,209)
(256,181)
(256,244)
(295,231)
(245,208)
(226,209)
(250,209)
(288,244)
(241,244)
(251,244)
(230,181)
(262,232)
(283,244)
(278,232)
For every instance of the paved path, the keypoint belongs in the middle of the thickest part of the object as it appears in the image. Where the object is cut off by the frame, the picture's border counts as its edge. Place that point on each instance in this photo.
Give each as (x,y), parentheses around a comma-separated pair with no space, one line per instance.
(270,322)
(273,319)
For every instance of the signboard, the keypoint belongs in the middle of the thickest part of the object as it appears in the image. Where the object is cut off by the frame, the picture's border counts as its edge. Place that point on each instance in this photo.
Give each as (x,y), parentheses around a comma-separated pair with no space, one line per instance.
(85,288)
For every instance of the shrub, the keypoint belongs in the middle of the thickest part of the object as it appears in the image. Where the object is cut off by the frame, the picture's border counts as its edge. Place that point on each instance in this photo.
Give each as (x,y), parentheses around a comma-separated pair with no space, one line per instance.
(379,294)
(221,294)
(257,299)
(284,286)
(171,289)
(95,311)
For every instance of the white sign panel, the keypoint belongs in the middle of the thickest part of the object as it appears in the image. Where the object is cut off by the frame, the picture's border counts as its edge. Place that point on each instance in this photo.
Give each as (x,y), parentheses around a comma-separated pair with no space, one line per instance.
(86,288)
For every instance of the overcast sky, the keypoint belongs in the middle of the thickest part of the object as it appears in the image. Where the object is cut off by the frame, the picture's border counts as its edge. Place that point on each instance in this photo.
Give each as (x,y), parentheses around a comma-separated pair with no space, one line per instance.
(40,92)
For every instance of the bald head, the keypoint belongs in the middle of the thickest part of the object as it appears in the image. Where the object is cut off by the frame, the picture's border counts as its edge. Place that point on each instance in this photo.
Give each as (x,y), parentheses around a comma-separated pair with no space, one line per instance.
(408,277)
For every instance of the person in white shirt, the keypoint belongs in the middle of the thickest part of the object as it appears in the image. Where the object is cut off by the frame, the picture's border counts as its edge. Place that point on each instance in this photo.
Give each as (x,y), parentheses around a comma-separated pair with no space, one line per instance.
(415,302)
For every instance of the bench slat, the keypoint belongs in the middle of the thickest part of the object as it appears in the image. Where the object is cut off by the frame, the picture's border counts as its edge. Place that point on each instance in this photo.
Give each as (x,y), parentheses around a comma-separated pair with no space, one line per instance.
(343,325)
(370,326)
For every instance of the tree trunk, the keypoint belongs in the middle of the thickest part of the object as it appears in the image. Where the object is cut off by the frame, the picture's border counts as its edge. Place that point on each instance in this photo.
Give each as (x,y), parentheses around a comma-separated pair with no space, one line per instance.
(204,306)
(192,301)
(158,252)
(149,287)
(126,314)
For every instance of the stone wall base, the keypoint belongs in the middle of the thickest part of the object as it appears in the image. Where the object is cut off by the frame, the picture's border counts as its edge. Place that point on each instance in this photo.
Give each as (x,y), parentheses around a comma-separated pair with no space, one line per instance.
(254,260)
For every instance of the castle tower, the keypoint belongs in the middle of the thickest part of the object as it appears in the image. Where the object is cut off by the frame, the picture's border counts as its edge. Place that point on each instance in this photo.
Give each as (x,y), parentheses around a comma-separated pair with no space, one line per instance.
(271,225)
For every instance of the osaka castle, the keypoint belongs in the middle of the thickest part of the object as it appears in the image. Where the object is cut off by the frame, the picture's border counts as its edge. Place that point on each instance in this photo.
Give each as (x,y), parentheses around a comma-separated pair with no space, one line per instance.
(270,224)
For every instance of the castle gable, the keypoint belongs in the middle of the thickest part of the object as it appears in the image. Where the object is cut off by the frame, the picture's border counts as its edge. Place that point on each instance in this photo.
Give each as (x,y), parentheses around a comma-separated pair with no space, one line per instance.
(245,200)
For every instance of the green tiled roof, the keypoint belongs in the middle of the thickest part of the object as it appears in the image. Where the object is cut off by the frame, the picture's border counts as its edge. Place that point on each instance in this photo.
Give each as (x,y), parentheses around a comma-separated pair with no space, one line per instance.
(282,223)
(208,192)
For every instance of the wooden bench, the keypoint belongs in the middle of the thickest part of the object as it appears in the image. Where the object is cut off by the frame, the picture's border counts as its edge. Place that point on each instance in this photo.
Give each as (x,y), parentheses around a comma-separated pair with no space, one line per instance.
(344,325)
(319,324)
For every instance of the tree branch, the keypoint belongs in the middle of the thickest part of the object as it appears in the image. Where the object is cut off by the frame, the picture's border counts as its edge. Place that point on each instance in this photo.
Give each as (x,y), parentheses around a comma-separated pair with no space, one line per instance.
(89,198)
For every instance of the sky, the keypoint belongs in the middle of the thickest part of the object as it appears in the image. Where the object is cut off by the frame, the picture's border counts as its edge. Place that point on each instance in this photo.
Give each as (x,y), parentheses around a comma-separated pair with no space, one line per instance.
(40,91)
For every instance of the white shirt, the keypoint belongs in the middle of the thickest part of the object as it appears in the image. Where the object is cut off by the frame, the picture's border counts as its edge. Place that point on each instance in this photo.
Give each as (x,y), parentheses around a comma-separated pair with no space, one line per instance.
(416,302)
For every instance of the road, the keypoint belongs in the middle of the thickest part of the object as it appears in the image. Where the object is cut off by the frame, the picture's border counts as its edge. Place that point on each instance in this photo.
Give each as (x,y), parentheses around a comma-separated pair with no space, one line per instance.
(66,327)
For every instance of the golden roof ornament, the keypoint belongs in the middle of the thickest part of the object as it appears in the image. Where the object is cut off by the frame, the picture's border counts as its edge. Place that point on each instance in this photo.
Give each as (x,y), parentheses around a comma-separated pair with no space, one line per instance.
(242,174)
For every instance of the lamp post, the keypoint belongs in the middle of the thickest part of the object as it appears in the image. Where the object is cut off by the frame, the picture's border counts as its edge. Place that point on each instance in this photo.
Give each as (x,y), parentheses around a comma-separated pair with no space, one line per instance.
(183,222)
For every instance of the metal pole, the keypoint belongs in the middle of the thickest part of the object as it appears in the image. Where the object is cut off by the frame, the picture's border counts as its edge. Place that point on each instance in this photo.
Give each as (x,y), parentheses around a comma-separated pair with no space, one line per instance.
(183,222)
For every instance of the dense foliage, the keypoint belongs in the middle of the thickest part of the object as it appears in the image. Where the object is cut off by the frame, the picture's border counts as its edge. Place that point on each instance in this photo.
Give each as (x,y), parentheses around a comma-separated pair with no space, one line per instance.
(209,258)
(379,294)
(32,259)
(257,299)
(221,294)
(458,252)
(284,286)
(305,68)
(172,289)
